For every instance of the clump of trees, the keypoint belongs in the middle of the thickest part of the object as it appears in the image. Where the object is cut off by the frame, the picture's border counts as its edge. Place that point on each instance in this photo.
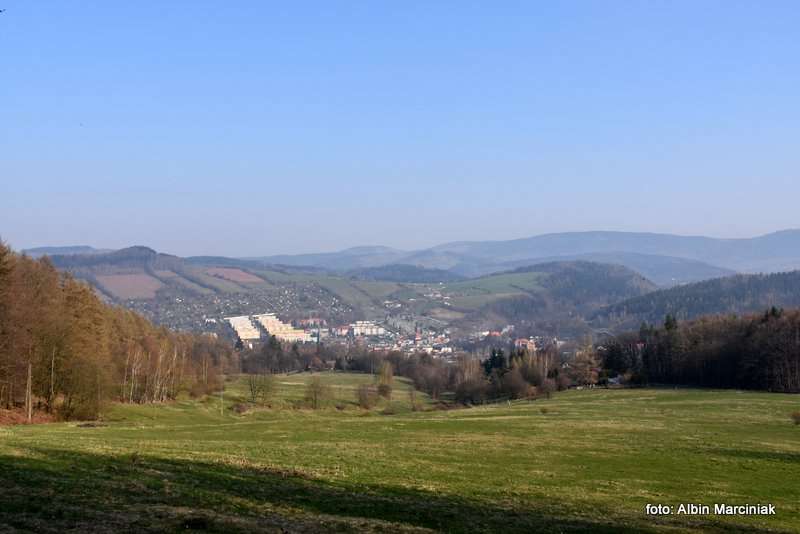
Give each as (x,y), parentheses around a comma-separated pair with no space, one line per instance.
(260,387)
(512,375)
(274,357)
(64,351)
(318,393)
(759,351)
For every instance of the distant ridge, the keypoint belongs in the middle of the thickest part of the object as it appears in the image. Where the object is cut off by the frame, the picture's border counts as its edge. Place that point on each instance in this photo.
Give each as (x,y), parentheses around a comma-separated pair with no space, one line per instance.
(664,258)
(38,252)
(404,273)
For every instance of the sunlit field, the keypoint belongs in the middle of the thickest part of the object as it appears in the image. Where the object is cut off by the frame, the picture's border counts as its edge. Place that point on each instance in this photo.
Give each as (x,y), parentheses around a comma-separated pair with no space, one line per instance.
(584,460)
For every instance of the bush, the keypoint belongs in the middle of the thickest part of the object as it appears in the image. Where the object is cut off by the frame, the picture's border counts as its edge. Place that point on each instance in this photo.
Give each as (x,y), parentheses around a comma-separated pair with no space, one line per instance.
(317,393)
(412,398)
(514,385)
(796,417)
(385,391)
(261,387)
(471,391)
(548,387)
(240,408)
(366,396)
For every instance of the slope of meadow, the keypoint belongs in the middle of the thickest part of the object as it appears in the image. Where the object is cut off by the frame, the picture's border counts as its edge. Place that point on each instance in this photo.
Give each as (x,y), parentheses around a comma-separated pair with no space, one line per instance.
(581,461)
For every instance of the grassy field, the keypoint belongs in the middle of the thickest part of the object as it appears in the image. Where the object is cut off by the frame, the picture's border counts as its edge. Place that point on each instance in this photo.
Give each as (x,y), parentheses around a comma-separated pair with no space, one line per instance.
(581,461)
(477,292)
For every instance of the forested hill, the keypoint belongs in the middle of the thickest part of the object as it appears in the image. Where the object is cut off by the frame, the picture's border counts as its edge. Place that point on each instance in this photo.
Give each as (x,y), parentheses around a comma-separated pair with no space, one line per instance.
(553,298)
(64,350)
(731,295)
(586,281)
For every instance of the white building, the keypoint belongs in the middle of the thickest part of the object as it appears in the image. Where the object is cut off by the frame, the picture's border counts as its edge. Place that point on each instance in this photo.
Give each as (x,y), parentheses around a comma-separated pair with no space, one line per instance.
(282,331)
(367,328)
(244,328)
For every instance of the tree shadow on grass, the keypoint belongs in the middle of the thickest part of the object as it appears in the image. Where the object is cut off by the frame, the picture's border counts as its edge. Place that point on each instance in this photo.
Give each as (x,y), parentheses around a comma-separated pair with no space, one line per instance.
(51,490)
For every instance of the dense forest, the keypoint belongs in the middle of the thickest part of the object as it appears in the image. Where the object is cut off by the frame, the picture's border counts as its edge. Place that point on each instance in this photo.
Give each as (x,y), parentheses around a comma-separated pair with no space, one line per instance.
(734,294)
(753,352)
(65,352)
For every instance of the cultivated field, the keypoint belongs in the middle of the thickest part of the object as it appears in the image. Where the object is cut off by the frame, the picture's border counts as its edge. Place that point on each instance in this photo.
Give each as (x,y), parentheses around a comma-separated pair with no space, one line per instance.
(130,286)
(583,460)
(234,275)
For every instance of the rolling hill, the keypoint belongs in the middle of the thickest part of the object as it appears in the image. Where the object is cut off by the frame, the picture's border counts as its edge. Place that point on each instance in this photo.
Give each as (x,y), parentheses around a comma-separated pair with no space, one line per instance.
(665,271)
(666,259)
(185,292)
(551,297)
(70,250)
(731,295)
(403,273)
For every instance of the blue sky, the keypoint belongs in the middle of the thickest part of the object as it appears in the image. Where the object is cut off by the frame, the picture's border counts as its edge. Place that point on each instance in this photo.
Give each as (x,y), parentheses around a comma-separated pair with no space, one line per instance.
(252,128)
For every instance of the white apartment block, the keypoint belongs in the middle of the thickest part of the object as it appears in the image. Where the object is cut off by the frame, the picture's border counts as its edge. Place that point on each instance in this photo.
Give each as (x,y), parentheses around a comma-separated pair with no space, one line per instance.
(367,328)
(244,328)
(282,331)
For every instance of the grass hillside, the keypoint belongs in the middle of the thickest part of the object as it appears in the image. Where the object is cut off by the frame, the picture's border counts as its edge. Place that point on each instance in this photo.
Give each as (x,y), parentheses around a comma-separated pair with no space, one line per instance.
(404,273)
(581,461)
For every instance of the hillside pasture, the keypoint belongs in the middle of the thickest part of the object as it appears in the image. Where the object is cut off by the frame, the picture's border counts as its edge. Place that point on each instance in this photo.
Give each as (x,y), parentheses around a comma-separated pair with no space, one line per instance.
(475,293)
(582,461)
(234,275)
(130,286)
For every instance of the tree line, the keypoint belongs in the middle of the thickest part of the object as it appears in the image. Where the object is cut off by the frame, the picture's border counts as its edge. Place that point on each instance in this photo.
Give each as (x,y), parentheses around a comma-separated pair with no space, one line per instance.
(505,374)
(65,352)
(760,351)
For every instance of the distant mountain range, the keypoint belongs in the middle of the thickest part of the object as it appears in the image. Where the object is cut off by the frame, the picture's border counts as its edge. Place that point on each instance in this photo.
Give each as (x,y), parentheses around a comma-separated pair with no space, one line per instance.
(38,252)
(664,258)
(566,295)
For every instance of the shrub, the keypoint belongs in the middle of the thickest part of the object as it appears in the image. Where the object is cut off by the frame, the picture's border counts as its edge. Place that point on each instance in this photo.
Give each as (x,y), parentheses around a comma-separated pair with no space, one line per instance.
(240,408)
(317,393)
(261,387)
(548,387)
(514,385)
(796,417)
(385,391)
(366,396)
(412,398)
(472,391)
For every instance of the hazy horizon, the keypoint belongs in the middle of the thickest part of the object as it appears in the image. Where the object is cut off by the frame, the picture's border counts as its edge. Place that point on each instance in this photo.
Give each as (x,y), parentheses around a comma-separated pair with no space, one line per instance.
(370,245)
(254,129)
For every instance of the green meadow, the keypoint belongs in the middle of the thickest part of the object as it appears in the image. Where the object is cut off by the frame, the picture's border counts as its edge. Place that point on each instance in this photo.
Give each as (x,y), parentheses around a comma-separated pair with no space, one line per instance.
(581,461)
